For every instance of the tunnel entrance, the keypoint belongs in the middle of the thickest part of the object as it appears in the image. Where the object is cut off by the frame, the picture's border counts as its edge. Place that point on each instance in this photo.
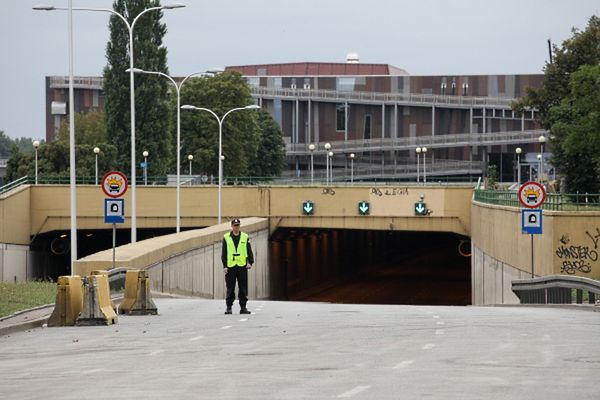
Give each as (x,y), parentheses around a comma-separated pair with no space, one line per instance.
(370,267)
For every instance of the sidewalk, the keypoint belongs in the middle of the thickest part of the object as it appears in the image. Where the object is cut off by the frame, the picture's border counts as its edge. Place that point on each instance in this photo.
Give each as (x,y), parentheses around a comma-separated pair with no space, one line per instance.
(24,320)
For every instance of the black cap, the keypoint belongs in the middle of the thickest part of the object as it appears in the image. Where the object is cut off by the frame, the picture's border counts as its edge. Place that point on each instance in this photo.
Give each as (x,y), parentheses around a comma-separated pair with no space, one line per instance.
(235,222)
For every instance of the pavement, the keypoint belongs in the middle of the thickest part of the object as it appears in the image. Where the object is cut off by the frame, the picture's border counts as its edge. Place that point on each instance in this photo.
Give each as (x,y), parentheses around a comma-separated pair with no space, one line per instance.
(301,350)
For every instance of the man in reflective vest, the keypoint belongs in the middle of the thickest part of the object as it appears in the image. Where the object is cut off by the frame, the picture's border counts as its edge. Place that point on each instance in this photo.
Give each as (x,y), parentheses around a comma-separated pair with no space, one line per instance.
(237,259)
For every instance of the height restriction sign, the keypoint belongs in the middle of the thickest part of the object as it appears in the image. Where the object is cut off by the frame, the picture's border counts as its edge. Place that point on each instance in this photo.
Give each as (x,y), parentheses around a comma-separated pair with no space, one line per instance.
(114,184)
(532,194)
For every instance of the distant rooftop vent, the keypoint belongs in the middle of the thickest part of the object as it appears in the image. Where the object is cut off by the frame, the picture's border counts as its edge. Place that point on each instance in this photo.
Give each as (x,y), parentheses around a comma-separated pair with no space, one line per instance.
(352,58)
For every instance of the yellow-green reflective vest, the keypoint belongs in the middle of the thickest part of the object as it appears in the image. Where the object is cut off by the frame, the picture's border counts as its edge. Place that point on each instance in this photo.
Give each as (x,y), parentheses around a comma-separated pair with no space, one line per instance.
(239,257)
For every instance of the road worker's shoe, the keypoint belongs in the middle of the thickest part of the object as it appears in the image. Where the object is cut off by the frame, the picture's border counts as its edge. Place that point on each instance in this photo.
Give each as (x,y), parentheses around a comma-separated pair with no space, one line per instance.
(244,310)
(228,311)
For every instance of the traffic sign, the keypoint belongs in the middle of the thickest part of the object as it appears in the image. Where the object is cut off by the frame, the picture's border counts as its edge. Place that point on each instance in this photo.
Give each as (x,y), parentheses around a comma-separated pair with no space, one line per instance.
(114,184)
(420,208)
(114,211)
(364,208)
(531,221)
(143,165)
(308,207)
(532,194)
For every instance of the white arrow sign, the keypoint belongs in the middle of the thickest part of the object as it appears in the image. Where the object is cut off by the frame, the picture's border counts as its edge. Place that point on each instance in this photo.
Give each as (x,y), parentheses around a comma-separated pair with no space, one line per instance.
(308,207)
(420,208)
(363,207)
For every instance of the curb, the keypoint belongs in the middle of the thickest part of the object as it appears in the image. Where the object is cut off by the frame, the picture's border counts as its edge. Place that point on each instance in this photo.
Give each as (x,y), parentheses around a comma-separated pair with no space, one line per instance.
(36,323)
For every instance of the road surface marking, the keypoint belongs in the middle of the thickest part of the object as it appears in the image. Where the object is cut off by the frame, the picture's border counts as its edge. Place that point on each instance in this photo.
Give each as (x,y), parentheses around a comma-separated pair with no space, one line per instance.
(243,319)
(196,338)
(403,364)
(440,323)
(155,352)
(428,346)
(226,327)
(92,371)
(439,331)
(353,392)
(436,316)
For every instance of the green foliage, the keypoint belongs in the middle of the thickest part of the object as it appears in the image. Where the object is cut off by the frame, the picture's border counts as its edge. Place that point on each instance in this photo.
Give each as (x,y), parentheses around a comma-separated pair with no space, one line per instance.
(563,101)
(5,145)
(200,130)
(270,158)
(90,128)
(24,295)
(151,124)
(492,177)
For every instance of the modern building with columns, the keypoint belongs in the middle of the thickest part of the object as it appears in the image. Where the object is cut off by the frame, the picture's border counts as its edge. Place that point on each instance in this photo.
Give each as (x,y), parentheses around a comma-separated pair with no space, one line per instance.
(376,117)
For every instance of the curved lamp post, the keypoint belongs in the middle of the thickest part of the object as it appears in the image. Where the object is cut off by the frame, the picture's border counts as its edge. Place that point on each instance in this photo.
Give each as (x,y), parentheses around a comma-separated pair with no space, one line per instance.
(220,121)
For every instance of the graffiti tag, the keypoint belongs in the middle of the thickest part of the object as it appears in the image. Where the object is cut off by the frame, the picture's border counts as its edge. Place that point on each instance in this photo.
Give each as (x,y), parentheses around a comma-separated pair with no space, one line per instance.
(390,192)
(595,237)
(330,191)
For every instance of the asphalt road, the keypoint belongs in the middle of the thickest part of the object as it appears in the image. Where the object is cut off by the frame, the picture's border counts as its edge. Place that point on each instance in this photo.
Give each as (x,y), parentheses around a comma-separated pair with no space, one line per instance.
(288,350)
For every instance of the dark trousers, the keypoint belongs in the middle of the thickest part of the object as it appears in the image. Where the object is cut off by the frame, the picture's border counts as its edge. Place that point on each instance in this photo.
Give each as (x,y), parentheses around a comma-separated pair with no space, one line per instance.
(241,274)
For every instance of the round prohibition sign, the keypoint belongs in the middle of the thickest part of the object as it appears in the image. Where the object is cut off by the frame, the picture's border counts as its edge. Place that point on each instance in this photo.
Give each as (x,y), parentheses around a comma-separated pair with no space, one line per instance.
(114,184)
(532,194)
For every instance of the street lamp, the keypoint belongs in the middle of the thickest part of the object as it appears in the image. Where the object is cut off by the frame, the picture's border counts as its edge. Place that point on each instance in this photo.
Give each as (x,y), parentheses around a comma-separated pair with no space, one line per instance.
(190,158)
(542,140)
(518,151)
(72,112)
(96,151)
(178,92)
(330,154)
(145,154)
(220,121)
(424,150)
(311,147)
(36,144)
(327,147)
(352,168)
(418,150)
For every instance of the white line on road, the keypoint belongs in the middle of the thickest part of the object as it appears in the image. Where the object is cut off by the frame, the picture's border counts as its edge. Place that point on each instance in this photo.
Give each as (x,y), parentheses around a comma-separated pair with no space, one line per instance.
(226,327)
(243,319)
(403,364)
(92,371)
(196,338)
(155,352)
(439,331)
(353,392)
(440,323)
(428,346)
(436,316)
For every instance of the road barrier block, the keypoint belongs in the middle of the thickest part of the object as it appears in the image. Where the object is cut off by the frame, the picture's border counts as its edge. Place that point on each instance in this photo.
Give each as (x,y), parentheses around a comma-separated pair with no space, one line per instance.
(107,288)
(97,308)
(69,301)
(138,300)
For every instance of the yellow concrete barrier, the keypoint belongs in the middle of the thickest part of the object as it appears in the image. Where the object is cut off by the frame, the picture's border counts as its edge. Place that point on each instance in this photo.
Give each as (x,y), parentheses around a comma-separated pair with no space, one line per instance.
(107,288)
(69,301)
(137,299)
(97,307)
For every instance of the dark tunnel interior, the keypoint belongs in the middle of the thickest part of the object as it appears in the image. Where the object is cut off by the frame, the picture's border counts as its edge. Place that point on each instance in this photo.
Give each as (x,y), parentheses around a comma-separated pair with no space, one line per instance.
(370,267)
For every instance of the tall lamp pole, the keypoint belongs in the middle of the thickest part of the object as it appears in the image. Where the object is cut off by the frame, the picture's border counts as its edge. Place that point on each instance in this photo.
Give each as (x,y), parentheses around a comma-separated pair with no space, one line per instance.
(178,92)
(36,144)
(330,154)
(418,150)
(327,148)
(72,112)
(518,151)
(424,150)
(311,147)
(145,154)
(352,168)
(96,151)
(542,140)
(220,121)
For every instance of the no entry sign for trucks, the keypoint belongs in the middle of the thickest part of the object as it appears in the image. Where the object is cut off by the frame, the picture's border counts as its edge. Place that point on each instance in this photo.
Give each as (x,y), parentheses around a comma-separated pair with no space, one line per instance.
(532,194)
(114,184)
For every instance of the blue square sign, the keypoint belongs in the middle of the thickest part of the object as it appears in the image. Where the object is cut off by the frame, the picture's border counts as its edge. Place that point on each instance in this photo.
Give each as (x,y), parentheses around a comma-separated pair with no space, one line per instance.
(114,211)
(531,221)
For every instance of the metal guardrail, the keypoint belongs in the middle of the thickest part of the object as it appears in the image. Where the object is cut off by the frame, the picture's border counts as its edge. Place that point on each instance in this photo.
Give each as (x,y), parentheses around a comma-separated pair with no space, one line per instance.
(116,279)
(554,201)
(80,82)
(14,184)
(382,97)
(556,289)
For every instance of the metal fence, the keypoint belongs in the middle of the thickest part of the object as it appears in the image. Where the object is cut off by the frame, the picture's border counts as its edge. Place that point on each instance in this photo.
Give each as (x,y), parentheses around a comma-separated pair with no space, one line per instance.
(556,289)
(554,201)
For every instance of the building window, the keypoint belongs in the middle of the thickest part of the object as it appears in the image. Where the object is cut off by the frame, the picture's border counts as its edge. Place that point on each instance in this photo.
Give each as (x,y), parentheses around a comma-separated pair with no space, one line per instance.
(340,117)
(253,81)
(95,96)
(367,128)
(277,108)
(345,84)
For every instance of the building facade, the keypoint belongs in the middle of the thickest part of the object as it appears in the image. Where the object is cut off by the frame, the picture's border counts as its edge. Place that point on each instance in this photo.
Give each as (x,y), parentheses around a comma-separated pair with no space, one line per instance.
(375,117)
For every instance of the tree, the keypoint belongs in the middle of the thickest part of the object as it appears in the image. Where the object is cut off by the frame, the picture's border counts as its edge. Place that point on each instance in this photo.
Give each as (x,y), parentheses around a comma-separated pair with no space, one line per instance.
(90,128)
(152,132)
(200,130)
(5,145)
(270,159)
(575,126)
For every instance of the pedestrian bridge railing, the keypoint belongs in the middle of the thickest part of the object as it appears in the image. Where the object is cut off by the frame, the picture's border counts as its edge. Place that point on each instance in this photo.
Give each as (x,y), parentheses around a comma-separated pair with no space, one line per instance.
(554,201)
(557,289)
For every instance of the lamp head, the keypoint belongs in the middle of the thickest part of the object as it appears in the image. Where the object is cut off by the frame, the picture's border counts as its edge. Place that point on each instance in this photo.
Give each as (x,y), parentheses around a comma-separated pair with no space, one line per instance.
(36,144)
(190,157)
(145,153)
(327,146)
(330,154)
(173,6)
(188,107)
(542,139)
(518,150)
(44,7)
(96,150)
(424,149)
(252,107)
(311,147)
(351,155)
(418,150)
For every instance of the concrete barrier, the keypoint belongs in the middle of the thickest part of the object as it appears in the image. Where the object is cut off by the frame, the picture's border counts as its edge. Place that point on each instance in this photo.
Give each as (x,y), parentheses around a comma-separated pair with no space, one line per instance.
(138,300)
(69,301)
(97,306)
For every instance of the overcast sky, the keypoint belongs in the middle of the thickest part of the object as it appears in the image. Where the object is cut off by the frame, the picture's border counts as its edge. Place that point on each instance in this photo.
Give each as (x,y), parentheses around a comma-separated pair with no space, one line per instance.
(425,37)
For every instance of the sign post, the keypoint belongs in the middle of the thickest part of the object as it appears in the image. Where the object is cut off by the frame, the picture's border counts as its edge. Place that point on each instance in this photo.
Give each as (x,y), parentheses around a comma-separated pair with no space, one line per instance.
(531,196)
(114,185)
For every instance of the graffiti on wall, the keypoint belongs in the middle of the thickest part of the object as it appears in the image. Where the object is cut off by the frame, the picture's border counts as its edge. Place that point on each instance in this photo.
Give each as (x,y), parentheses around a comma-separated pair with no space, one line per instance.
(575,257)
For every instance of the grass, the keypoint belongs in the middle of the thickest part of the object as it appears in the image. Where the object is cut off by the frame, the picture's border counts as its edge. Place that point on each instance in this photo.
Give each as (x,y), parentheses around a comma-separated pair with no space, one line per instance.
(21,296)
